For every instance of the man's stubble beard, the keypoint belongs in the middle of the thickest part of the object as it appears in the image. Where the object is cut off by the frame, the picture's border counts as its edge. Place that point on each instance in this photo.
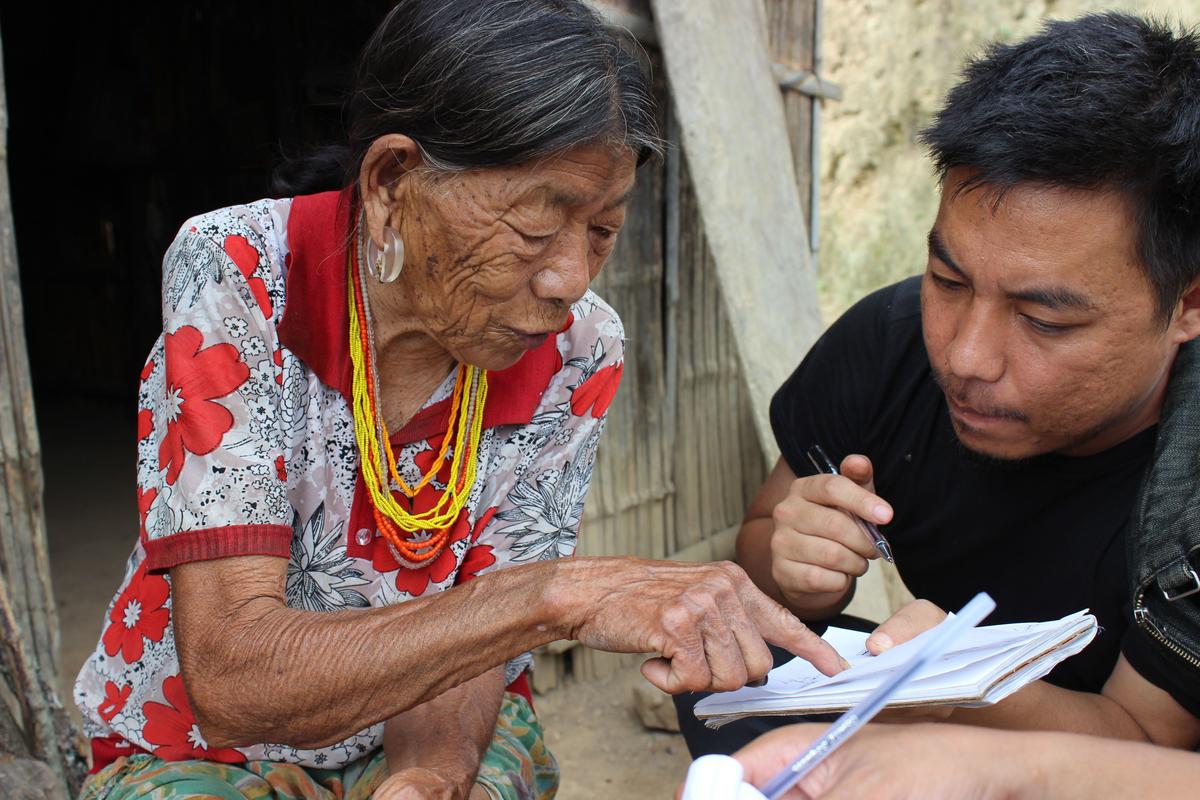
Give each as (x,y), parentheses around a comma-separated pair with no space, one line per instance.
(948,387)
(995,460)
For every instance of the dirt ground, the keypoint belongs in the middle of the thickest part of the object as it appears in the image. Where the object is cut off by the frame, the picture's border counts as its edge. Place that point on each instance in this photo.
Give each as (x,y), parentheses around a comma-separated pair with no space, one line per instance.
(89,455)
(601,746)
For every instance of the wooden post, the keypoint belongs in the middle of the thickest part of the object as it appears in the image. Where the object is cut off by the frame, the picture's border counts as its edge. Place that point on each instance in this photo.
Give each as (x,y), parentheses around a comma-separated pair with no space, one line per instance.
(27,614)
(732,123)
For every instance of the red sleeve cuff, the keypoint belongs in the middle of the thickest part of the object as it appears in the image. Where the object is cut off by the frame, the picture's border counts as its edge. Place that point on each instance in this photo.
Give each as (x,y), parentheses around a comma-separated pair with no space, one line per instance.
(210,543)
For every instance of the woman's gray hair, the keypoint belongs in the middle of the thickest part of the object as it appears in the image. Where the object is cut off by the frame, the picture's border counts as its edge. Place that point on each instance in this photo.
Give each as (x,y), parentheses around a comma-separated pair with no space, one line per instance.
(485,83)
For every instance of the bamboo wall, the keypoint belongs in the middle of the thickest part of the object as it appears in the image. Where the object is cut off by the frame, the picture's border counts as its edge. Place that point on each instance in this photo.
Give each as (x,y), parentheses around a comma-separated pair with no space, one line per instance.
(680,459)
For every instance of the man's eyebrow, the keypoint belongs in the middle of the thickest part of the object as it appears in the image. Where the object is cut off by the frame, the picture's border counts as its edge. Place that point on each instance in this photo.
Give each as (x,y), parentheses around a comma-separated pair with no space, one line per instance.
(938,248)
(1056,298)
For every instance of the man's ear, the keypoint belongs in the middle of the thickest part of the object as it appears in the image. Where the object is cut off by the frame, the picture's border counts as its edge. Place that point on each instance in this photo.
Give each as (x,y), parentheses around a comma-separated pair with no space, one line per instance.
(1187,319)
(388,159)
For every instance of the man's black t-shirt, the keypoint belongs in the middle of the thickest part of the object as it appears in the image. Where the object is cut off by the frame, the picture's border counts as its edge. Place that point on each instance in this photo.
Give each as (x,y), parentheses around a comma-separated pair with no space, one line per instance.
(1044,537)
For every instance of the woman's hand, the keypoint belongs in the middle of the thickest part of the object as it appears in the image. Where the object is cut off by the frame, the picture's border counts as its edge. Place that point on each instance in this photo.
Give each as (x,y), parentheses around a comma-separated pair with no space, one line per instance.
(251,660)
(418,783)
(708,621)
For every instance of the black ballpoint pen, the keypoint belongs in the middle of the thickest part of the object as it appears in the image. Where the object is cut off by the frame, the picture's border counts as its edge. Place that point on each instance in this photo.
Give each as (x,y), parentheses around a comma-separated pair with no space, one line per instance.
(822,464)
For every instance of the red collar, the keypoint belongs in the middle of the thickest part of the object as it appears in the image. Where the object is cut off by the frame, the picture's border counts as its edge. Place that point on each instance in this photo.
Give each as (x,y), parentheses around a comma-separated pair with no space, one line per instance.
(315,324)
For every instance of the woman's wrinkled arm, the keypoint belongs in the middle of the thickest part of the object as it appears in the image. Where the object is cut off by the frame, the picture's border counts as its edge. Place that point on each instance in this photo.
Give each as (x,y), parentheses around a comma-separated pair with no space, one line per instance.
(257,670)
(439,745)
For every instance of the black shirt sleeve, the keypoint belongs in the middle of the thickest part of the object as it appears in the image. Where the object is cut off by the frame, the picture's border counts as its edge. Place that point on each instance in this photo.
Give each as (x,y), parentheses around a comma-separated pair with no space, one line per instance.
(834,393)
(1162,668)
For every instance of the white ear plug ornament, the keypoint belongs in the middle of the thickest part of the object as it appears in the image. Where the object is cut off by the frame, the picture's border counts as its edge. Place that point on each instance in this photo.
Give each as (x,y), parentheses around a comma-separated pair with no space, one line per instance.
(386,265)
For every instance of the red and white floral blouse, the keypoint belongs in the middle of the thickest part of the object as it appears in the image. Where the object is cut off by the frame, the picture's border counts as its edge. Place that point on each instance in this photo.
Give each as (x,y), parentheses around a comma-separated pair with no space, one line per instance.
(246,446)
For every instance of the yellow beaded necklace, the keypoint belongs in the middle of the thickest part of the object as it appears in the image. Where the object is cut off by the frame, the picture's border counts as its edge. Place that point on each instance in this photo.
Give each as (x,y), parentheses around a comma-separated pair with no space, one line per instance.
(378,462)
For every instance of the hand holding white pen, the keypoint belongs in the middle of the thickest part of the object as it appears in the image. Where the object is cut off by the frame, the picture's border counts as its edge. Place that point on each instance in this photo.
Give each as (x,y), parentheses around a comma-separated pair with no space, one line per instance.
(817,546)
(720,777)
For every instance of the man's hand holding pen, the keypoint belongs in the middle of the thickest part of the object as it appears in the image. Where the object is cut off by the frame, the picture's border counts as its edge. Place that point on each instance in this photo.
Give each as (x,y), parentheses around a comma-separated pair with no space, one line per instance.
(818,548)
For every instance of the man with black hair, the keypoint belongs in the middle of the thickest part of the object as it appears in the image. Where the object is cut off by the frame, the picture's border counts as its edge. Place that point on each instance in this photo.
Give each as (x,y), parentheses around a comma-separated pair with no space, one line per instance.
(997,414)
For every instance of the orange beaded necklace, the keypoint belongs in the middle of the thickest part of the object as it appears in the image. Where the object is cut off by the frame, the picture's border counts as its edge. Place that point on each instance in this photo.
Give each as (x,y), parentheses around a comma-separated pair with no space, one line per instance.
(376,458)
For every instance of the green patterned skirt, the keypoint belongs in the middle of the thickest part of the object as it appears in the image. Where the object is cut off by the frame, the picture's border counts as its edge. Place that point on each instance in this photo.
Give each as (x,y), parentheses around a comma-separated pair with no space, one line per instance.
(516,766)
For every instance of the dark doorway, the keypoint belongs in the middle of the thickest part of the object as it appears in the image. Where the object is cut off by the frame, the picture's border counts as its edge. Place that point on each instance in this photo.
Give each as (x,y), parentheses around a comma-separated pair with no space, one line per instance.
(125,120)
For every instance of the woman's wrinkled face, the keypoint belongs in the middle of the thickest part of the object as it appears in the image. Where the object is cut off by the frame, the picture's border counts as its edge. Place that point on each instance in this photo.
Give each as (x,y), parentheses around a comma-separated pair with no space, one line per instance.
(494,258)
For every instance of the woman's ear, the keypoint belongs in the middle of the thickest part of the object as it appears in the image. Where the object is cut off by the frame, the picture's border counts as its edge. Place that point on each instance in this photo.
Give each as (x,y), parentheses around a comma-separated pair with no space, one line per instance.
(388,160)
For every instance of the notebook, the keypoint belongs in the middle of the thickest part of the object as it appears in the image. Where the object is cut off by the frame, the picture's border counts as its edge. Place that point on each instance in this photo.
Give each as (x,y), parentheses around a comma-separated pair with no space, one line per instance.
(986,665)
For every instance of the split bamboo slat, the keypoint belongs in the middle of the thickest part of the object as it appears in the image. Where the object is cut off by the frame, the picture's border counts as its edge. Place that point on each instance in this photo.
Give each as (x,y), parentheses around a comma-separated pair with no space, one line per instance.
(681,458)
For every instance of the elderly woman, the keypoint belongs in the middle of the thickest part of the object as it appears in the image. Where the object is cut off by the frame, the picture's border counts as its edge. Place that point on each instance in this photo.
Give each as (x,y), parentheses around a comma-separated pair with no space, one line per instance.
(366,433)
